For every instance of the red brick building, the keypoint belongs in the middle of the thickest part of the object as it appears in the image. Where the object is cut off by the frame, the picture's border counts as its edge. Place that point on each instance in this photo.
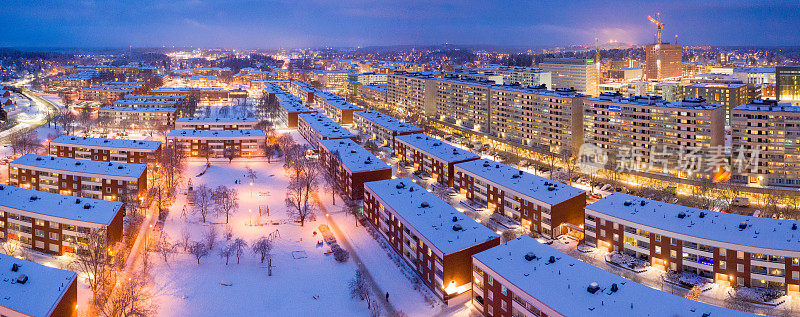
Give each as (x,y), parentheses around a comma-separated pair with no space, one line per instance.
(541,205)
(216,123)
(353,165)
(340,111)
(32,289)
(728,249)
(290,109)
(54,223)
(315,127)
(432,156)
(216,143)
(434,238)
(107,150)
(76,177)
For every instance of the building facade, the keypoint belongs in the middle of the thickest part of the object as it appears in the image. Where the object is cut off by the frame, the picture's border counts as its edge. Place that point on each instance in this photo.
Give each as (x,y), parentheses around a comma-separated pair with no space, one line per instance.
(381,127)
(573,73)
(352,165)
(315,127)
(107,150)
(218,143)
(663,60)
(431,156)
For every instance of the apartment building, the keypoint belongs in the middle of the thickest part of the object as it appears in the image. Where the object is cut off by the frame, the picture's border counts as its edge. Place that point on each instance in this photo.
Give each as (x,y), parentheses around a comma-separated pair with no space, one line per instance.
(147,103)
(764,132)
(330,78)
(475,75)
(381,127)
(574,73)
(352,165)
(323,97)
(107,150)
(539,204)
(290,108)
(549,121)
(412,93)
(138,116)
(71,82)
(663,60)
(523,277)
(315,127)
(787,83)
(105,94)
(77,177)
(434,157)
(339,110)
(434,238)
(728,95)
(204,94)
(179,98)
(373,93)
(523,76)
(33,289)
(54,223)
(726,248)
(303,90)
(464,103)
(218,143)
(646,133)
(370,78)
(216,123)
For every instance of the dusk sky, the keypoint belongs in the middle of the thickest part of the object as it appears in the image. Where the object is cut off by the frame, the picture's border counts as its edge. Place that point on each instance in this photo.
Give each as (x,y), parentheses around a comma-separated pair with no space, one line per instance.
(274,24)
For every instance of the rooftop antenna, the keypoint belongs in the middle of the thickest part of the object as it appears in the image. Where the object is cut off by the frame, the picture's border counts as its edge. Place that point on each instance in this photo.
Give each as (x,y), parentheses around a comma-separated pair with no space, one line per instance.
(659,25)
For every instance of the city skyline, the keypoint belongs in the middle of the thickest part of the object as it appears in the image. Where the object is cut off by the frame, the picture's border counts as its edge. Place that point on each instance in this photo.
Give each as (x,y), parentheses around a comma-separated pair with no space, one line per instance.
(279,24)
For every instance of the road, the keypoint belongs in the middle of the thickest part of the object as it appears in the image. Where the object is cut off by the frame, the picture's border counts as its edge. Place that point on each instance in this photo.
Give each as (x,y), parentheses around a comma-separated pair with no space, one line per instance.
(45,107)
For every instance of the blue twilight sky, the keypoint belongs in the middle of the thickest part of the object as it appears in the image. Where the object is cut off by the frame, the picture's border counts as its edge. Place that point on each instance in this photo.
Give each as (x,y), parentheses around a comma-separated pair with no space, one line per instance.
(298,23)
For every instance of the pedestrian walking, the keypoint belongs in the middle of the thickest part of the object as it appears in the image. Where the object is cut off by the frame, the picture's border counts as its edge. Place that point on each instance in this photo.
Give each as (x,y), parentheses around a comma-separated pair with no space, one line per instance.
(387,296)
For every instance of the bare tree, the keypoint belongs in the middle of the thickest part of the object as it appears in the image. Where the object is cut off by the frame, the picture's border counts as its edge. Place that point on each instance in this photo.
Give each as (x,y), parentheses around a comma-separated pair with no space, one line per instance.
(269,152)
(95,259)
(131,297)
(25,143)
(263,248)
(186,239)
(14,248)
(203,201)
(353,207)
(172,161)
(226,201)
(299,206)
(230,153)
(164,247)
(226,251)
(251,174)
(283,142)
(210,238)
(570,164)
(359,287)
(239,247)
(198,250)
(330,174)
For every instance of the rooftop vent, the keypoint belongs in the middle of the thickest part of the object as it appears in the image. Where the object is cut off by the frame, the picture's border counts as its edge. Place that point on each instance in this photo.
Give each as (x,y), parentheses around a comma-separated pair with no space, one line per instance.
(457,227)
(424,204)
(515,176)
(2,187)
(794,225)
(530,256)
(52,158)
(455,218)
(34,198)
(642,203)
(742,226)
(77,163)
(552,259)
(38,158)
(681,215)
(22,279)
(109,164)
(593,288)
(614,288)
(120,167)
(628,203)
(14,267)
(87,206)
(551,188)
(77,200)
(497,166)
(702,214)
(400,185)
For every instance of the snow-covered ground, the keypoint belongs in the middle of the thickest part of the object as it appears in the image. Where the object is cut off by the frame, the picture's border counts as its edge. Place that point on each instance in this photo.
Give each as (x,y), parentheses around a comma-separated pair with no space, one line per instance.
(314,284)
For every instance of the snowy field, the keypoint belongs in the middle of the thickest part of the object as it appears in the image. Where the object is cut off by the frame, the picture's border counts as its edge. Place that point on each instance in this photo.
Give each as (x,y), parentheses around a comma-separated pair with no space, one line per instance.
(305,281)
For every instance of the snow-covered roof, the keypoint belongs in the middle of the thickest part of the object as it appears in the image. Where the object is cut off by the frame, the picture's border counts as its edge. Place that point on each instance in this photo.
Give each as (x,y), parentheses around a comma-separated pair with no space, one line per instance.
(386,121)
(187,89)
(759,232)
(103,143)
(436,148)
(110,88)
(563,285)
(146,103)
(158,97)
(290,103)
(217,120)
(381,88)
(325,126)
(138,109)
(651,101)
(342,105)
(431,217)
(40,294)
(60,206)
(354,157)
(328,96)
(216,134)
(543,92)
(98,168)
(769,106)
(519,182)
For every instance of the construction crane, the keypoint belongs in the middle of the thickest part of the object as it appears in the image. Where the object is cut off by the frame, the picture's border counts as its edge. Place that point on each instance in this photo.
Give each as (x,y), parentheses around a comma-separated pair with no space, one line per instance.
(659,25)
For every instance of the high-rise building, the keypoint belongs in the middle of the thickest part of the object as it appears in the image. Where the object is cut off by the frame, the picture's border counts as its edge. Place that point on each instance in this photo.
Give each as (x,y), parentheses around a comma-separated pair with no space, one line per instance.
(728,95)
(412,93)
(787,86)
(464,103)
(663,60)
(575,73)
